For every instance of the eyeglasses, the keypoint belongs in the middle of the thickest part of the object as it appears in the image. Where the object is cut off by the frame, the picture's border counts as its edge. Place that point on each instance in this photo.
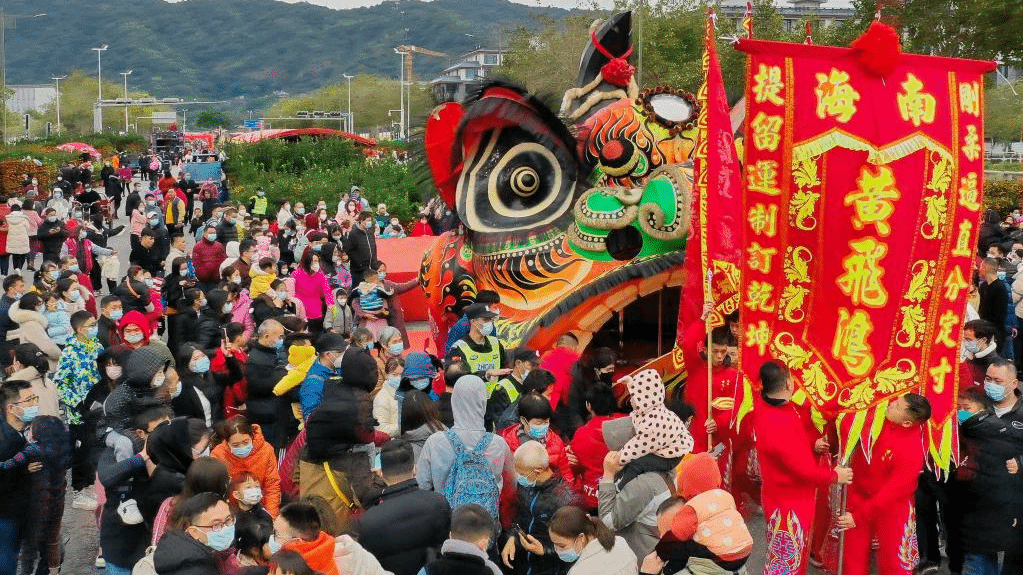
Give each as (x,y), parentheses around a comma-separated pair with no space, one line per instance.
(33,399)
(217,525)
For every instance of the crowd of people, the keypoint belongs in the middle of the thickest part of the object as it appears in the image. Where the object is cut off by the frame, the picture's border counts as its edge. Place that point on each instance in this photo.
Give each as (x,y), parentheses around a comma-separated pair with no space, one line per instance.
(245,400)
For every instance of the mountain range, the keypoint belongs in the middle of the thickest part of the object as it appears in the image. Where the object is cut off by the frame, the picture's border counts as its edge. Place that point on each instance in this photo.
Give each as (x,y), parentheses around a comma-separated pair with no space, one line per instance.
(248,49)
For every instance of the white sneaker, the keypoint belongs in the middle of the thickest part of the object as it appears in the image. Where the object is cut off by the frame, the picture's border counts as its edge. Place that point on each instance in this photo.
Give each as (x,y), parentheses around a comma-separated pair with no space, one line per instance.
(100,562)
(84,501)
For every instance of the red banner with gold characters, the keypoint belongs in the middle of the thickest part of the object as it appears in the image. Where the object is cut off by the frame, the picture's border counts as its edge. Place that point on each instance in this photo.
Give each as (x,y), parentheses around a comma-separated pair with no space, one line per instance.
(862,202)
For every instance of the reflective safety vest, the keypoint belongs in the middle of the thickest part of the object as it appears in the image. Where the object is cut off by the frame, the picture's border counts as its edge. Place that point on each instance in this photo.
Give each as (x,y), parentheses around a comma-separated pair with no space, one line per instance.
(508,386)
(259,207)
(482,361)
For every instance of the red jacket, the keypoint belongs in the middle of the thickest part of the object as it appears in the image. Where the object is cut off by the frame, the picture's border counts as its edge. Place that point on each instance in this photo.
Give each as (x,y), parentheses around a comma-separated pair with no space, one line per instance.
(590,449)
(790,469)
(724,383)
(559,362)
(555,450)
(207,257)
(890,478)
(421,229)
(237,390)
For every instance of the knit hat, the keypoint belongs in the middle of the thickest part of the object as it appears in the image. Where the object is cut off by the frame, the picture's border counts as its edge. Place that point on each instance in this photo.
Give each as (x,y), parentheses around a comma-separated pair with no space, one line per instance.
(418,365)
(142,366)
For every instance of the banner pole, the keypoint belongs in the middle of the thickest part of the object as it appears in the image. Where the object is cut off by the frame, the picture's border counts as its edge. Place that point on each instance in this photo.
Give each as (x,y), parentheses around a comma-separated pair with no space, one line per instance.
(710,360)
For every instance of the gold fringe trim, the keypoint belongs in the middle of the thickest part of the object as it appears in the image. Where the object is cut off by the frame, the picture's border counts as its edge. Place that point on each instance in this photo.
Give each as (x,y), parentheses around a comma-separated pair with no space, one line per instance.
(836,138)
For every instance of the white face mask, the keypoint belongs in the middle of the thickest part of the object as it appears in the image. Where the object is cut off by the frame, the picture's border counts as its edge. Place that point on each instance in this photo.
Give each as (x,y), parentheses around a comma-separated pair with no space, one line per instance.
(252,495)
(158,379)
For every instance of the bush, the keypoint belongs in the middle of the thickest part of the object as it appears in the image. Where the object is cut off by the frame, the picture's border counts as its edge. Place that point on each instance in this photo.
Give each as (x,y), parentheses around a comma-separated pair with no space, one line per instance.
(1002,196)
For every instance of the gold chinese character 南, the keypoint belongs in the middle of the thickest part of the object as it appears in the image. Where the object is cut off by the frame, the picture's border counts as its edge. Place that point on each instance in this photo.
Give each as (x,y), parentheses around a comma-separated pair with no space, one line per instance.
(835,97)
(759,296)
(763,220)
(969,98)
(760,257)
(766,131)
(758,335)
(767,84)
(963,243)
(762,177)
(946,323)
(863,273)
(850,345)
(971,143)
(954,284)
(874,199)
(969,194)
(915,105)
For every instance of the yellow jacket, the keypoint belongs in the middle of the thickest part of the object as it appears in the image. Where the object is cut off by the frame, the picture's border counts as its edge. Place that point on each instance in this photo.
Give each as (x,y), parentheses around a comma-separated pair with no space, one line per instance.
(260,282)
(301,357)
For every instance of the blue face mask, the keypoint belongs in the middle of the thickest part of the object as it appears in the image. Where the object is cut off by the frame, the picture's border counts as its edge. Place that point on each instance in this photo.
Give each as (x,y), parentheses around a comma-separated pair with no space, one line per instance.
(274,544)
(421,383)
(393,381)
(994,391)
(117,314)
(74,296)
(53,274)
(381,275)
(279,345)
(524,481)
(242,452)
(317,247)
(29,413)
(75,268)
(202,365)
(568,555)
(93,331)
(1001,275)
(368,346)
(487,328)
(538,431)
(221,539)
(368,226)
(396,348)
(963,415)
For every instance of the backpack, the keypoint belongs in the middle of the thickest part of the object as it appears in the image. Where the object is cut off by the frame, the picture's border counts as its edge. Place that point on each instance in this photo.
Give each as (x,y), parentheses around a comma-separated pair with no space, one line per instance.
(145,566)
(470,479)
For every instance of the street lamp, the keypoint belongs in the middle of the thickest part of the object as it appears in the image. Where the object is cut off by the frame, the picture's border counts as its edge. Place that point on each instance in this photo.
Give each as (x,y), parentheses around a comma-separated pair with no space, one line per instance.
(401,91)
(351,121)
(126,74)
(57,80)
(4,19)
(98,122)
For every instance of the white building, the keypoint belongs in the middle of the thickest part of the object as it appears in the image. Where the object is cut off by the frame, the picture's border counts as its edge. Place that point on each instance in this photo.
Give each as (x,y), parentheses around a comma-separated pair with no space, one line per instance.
(30,97)
(793,12)
(471,69)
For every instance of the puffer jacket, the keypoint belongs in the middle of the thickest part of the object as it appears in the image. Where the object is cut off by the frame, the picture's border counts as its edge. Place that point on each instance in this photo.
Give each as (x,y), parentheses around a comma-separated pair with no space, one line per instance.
(261,462)
(595,560)
(514,436)
(206,258)
(1017,294)
(32,329)
(18,231)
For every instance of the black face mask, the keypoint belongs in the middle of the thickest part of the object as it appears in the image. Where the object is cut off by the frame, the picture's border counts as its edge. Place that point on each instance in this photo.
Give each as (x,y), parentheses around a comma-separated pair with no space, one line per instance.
(606,377)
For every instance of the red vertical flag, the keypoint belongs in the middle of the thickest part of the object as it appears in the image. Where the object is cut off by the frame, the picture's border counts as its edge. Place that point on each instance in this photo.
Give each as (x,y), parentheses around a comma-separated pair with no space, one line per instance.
(715,241)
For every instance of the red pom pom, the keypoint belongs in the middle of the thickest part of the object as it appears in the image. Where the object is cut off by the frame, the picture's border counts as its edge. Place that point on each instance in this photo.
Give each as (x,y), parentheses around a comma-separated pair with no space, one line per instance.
(878,49)
(618,72)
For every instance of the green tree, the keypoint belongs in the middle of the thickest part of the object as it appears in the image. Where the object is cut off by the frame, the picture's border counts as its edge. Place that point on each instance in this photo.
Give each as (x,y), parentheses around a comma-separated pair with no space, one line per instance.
(1003,113)
(213,119)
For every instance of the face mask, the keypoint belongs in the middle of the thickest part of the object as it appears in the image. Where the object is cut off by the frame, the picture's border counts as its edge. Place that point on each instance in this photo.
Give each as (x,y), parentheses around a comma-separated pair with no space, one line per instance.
(283,294)
(323,217)
(242,452)
(396,348)
(261,193)
(525,373)
(994,391)
(287,232)
(487,328)
(236,280)
(971,346)
(315,267)
(177,391)
(538,431)
(53,274)
(606,377)
(183,272)
(368,346)
(382,275)
(93,331)
(337,238)
(421,383)
(393,381)
(202,302)
(29,413)
(201,365)
(75,268)
(279,345)
(228,307)
(116,315)
(221,539)
(134,337)
(524,481)
(337,361)
(273,544)
(368,226)
(317,247)
(1001,275)
(51,219)
(150,202)
(158,379)
(963,415)
(153,222)
(342,302)
(300,211)
(149,283)
(252,495)
(74,296)
(19,295)
(114,372)
(568,555)
(211,237)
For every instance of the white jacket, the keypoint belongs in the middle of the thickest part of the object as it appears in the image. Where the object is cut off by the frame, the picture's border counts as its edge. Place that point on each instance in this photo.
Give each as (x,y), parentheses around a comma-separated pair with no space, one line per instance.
(352,559)
(385,411)
(1017,294)
(18,231)
(595,560)
(32,329)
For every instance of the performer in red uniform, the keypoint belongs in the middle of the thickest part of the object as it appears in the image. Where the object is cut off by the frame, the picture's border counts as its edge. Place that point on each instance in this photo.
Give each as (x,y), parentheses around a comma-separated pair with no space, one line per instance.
(725,378)
(791,471)
(881,500)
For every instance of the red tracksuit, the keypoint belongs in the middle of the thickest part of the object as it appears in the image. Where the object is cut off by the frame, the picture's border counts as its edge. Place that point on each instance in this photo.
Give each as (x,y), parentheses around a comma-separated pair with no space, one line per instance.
(792,474)
(881,503)
(724,381)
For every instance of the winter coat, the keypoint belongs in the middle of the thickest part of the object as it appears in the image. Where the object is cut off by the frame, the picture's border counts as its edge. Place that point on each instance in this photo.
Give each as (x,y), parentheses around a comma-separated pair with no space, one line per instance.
(18,232)
(534,507)
(313,291)
(32,329)
(49,403)
(206,258)
(181,327)
(1017,294)
(262,463)
(76,373)
(179,554)
(422,517)
(135,295)
(514,436)
(590,449)
(360,369)
(595,560)
(386,410)
(417,438)
(658,430)
(263,369)
(361,247)
(207,331)
(241,313)
(122,544)
(58,324)
(14,483)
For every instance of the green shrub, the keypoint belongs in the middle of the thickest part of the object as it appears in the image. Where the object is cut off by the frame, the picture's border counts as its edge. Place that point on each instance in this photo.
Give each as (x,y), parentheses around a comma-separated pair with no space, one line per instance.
(1002,196)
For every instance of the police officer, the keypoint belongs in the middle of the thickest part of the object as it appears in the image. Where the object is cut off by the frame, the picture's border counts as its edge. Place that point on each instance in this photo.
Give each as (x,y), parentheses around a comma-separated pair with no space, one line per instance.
(258,204)
(480,349)
(508,389)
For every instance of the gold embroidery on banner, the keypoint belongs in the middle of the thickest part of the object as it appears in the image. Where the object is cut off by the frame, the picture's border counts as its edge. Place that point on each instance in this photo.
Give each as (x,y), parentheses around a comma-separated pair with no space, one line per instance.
(767,84)
(938,374)
(874,199)
(835,97)
(763,220)
(896,378)
(971,144)
(850,345)
(816,382)
(915,105)
(969,98)
(790,304)
(887,154)
(963,244)
(969,194)
(760,257)
(913,321)
(762,177)
(759,335)
(946,325)
(789,352)
(766,131)
(759,296)
(797,264)
(863,272)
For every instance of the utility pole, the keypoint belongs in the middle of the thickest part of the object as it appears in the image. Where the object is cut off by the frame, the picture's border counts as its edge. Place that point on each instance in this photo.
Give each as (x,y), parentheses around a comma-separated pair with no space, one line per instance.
(12,19)
(57,80)
(98,115)
(351,121)
(401,91)
(126,74)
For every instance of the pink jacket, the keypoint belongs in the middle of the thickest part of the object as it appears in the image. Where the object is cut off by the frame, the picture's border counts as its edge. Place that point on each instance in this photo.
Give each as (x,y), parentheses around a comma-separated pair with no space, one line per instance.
(312,291)
(138,221)
(240,312)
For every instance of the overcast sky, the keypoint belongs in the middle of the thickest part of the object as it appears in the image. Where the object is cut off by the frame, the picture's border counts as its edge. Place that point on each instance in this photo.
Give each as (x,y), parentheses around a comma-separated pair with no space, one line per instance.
(342,4)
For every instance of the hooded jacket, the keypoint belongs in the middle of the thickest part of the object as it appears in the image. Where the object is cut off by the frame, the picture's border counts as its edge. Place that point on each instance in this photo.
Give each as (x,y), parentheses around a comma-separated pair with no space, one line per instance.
(422,516)
(263,370)
(18,231)
(590,449)
(709,517)
(468,404)
(136,394)
(261,462)
(658,430)
(32,329)
(170,449)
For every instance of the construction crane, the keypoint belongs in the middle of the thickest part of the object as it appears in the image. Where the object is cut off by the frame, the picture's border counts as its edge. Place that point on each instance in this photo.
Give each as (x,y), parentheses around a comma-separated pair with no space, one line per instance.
(408,52)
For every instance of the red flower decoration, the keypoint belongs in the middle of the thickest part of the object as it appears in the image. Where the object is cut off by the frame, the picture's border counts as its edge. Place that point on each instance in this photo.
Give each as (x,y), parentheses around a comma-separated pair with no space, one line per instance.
(878,49)
(618,72)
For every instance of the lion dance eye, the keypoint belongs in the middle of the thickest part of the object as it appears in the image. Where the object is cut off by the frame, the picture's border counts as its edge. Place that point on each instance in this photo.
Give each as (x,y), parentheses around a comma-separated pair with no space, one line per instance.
(525,181)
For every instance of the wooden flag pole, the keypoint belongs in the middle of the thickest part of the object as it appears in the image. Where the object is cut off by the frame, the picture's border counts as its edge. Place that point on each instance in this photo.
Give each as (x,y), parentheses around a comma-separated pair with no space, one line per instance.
(708,298)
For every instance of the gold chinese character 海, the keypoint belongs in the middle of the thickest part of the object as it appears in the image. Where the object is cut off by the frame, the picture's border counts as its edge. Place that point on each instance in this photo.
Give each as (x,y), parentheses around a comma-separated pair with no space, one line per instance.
(963,244)
(938,374)
(915,105)
(760,257)
(763,220)
(762,177)
(766,131)
(946,323)
(835,97)
(863,273)
(874,199)
(971,144)
(954,284)
(850,345)
(758,335)
(759,296)
(767,84)
(969,194)
(969,98)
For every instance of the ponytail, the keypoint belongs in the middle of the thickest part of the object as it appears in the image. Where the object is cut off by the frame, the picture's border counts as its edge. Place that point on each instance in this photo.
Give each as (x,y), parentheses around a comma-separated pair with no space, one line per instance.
(29,355)
(571,522)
